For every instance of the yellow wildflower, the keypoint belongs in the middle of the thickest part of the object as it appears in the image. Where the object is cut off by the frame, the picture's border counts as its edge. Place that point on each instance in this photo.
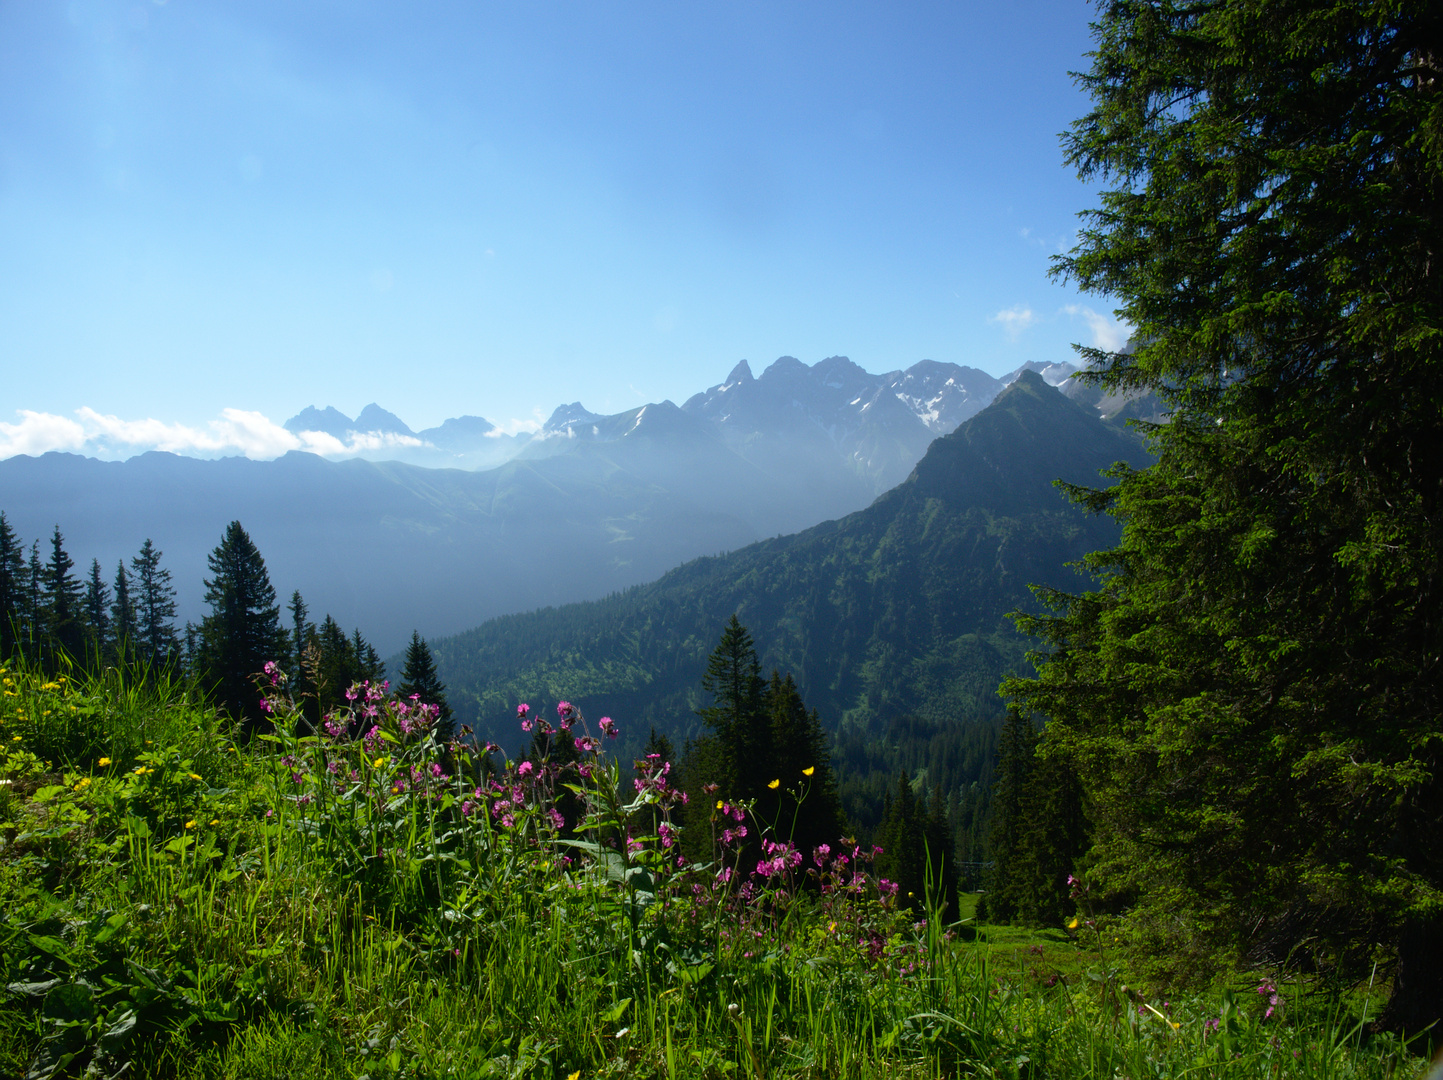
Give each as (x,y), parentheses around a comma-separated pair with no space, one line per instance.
(190,824)
(1074,923)
(141,770)
(84,783)
(103,762)
(16,739)
(809,770)
(193,776)
(215,821)
(718,804)
(378,762)
(774,784)
(575,1076)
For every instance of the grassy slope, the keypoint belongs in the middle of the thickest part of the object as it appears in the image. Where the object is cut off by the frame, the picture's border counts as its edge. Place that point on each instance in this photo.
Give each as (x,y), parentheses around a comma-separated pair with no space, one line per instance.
(196,908)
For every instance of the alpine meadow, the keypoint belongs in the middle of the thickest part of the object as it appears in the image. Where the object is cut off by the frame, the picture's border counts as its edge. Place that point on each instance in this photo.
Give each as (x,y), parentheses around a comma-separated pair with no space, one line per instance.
(1082,721)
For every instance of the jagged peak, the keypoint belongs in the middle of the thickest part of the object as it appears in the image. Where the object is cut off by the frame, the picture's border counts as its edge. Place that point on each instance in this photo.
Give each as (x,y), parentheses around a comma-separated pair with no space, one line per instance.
(742,373)
(375,418)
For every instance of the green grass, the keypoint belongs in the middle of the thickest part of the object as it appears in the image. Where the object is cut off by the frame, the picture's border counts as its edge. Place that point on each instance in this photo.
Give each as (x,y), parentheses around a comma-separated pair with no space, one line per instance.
(175,904)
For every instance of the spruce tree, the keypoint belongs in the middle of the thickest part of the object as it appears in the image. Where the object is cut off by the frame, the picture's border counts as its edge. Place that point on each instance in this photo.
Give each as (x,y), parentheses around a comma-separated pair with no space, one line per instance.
(243,631)
(122,616)
(737,717)
(299,627)
(1251,696)
(64,606)
(1003,879)
(154,602)
(804,805)
(419,678)
(97,607)
(12,589)
(35,622)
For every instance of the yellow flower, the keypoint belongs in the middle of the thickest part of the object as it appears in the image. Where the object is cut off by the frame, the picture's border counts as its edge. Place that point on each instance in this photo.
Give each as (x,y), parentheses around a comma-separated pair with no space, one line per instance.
(103,762)
(215,821)
(575,1076)
(1074,923)
(193,776)
(141,770)
(809,770)
(718,804)
(379,762)
(16,739)
(84,783)
(774,784)
(190,824)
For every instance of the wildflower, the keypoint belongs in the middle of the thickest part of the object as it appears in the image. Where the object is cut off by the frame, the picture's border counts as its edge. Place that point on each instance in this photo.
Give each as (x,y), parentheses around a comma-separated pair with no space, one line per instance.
(525,769)
(1073,923)
(190,824)
(720,805)
(809,770)
(84,783)
(193,776)
(378,762)
(774,784)
(608,727)
(103,762)
(141,770)
(215,821)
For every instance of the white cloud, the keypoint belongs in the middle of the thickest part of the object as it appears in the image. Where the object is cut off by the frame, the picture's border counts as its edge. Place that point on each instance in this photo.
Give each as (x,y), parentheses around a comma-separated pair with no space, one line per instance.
(1014,320)
(518,427)
(235,431)
(39,433)
(1107,333)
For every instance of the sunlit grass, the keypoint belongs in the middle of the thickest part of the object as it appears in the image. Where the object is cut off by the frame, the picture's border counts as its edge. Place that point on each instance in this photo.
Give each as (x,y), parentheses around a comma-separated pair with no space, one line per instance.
(182,905)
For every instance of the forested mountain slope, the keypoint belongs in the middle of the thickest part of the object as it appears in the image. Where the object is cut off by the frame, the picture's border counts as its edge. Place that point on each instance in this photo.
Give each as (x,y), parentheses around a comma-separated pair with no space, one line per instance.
(898,609)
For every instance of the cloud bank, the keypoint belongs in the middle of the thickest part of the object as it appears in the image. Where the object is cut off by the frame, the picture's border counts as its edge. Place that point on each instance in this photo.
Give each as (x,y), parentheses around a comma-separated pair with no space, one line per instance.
(236,432)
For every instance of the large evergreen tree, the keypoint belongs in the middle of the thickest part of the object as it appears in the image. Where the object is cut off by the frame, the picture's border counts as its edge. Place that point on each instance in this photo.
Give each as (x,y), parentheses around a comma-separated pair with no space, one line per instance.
(243,630)
(154,603)
(12,588)
(64,606)
(764,746)
(122,615)
(737,717)
(1251,698)
(419,677)
(97,607)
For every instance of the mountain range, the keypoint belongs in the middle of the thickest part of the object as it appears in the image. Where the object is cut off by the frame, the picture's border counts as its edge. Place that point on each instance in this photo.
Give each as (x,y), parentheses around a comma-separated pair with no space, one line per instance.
(900,606)
(892,619)
(586,506)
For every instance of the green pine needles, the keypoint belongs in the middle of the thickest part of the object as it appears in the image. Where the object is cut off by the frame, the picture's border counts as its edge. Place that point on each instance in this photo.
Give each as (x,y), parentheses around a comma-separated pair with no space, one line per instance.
(1250,699)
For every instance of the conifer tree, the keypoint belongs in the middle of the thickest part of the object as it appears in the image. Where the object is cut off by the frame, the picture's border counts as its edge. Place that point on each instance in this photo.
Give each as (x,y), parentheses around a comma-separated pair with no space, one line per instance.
(97,607)
(12,588)
(369,665)
(64,607)
(419,678)
(35,629)
(154,605)
(122,615)
(299,628)
(804,805)
(243,631)
(737,717)
(1015,759)
(1251,696)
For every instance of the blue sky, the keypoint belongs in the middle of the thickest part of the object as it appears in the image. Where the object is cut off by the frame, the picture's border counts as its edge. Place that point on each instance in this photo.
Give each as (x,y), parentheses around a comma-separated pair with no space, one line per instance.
(214,214)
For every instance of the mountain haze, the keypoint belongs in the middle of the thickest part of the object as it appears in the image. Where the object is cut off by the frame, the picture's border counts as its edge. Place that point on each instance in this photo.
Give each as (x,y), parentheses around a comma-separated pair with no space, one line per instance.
(897,608)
